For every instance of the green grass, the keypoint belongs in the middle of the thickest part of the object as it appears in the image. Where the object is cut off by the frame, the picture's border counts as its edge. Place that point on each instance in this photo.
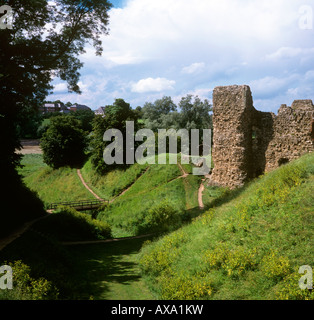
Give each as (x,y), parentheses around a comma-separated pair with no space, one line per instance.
(158,185)
(67,224)
(139,188)
(52,185)
(114,182)
(250,246)
(110,271)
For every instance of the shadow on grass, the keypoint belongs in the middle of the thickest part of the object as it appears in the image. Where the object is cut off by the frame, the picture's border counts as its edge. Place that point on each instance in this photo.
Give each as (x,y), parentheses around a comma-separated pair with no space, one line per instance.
(109,271)
(224,196)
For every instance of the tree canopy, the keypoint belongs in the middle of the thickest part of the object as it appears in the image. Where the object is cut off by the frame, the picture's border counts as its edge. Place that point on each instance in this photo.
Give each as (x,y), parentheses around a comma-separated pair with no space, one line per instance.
(115,117)
(45,41)
(191,113)
(64,142)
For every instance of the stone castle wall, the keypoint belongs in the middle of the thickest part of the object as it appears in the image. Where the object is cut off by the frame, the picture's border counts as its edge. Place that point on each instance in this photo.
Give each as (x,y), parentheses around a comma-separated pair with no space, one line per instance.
(247,142)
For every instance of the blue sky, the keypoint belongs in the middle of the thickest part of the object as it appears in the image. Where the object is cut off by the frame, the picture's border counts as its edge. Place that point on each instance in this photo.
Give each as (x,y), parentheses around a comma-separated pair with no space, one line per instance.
(118,3)
(179,47)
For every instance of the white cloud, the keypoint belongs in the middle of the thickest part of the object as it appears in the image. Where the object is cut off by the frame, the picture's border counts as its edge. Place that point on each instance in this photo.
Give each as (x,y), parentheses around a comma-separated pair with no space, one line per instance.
(200,44)
(60,87)
(147,29)
(271,86)
(194,68)
(153,85)
(289,53)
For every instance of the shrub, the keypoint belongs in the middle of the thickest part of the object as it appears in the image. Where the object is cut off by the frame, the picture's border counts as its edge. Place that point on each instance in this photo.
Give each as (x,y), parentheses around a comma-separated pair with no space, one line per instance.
(64,143)
(206,218)
(161,256)
(275,266)
(27,288)
(160,218)
(289,289)
(69,224)
(184,287)
(233,261)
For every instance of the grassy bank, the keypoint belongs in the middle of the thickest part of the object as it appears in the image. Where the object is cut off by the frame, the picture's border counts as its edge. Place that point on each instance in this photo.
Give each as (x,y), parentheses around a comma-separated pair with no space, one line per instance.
(250,246)
(157,201)
(52,185)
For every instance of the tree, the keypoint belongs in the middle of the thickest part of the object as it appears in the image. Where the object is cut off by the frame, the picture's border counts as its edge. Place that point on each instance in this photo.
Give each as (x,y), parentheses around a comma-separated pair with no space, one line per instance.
(30,121)
(116,117)
(195,114)
(158,115)
(64,142)
(86,117)
(44,42)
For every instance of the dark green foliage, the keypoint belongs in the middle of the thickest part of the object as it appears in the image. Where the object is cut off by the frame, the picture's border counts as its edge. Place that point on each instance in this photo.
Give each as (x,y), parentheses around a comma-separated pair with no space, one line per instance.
(86,117)
(163,114)
(29,122)
(116,116)
(68,224)
(195,114)
(19,204)
(161,218)
(64,142)
(26,287)
(160,114)
(32,53)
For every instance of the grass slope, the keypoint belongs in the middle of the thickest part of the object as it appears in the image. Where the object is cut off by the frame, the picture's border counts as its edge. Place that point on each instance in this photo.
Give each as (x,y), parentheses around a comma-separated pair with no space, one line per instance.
(250,246)
(113,183)
(110,271)
(52,185)
(158,189)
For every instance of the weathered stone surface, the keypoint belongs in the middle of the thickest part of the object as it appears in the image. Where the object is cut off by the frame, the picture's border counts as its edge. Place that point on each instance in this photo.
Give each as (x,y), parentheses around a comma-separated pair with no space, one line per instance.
(247,142)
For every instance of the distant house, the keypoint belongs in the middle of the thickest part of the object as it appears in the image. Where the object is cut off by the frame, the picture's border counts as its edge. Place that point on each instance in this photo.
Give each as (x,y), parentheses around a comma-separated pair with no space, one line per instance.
(76,107)
(53,107)
(64,109)
(100,111)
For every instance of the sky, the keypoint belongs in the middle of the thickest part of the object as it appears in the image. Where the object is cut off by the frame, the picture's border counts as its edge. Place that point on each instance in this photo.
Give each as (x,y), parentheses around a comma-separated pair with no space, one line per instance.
(159,48)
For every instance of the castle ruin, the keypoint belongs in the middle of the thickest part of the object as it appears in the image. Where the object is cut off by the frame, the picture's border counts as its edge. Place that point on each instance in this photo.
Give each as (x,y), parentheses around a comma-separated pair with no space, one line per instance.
(248,142)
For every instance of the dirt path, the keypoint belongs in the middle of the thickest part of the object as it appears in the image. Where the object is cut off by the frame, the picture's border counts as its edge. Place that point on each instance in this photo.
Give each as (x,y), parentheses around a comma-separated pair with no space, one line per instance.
(200,195)
(73,243)
(5,241)
(200,190)
(30,147)
(184,174)
(86,186)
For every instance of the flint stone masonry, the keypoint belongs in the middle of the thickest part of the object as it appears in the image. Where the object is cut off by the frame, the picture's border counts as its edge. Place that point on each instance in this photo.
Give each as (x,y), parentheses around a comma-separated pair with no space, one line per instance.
(247,142)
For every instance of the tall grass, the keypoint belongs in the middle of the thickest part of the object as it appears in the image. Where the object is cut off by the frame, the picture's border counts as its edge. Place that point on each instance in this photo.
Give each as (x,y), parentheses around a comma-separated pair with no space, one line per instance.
(248,247)
(52,185)
(112,183)
(127,213)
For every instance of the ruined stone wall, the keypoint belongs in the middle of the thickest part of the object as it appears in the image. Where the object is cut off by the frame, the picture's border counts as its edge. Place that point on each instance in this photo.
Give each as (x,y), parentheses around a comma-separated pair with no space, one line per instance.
(248,142)
(292,134)
(232,139)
